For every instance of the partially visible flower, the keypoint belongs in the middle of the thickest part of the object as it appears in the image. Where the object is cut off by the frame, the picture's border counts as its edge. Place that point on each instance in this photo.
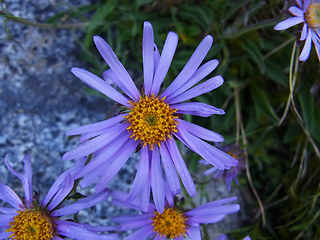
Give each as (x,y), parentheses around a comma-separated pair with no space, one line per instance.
(308,12)
(150,119)
(30,219)
(228,174)
(224,237)
(174,222)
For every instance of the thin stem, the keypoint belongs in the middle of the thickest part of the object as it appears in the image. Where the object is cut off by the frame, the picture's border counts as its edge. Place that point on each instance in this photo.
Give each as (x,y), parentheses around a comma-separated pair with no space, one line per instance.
(291,85)
(24,21)
(245,143)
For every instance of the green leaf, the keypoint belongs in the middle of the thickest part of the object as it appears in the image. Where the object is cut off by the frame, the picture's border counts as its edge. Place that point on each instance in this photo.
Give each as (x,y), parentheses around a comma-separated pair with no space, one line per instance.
(262,103)
(255,54)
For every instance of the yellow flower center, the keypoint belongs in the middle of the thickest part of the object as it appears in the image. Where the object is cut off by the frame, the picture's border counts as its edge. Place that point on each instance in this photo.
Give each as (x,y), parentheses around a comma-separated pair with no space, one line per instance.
(312,15)
(151,121)
(170,223)
(31,225)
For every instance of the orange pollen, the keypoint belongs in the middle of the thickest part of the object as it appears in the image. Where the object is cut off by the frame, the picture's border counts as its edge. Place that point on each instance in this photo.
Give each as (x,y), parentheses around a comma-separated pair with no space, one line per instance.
(312,15)
(171,223)
(232,155)
(151,121)
(31,225)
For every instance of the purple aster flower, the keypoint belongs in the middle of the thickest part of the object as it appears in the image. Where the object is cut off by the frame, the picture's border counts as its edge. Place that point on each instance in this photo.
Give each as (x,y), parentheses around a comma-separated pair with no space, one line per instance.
(229,174)
(308,12)
(173,222)
(32,219)
(224,237)
(150,119)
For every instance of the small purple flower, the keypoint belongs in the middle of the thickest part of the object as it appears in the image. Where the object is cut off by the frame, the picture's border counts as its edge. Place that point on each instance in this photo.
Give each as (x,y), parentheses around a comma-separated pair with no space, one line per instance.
(224,237)
(31,219)
(173,222)
(229,174)
(308,12)
(150,119)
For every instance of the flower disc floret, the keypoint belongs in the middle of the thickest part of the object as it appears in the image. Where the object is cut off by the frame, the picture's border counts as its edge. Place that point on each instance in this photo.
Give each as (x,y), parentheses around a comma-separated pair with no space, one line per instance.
(151,121)
(31,225)
(312,15)
(171,223)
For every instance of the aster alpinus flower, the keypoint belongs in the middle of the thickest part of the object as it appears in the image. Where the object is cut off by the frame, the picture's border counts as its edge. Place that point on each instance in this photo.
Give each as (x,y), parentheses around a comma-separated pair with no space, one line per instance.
(174,222)
(224,237)
(308,13)
(150,119)
(228,174)
(30,219)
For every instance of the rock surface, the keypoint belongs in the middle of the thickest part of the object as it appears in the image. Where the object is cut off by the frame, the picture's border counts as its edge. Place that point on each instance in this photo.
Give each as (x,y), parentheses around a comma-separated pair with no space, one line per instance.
(40,99)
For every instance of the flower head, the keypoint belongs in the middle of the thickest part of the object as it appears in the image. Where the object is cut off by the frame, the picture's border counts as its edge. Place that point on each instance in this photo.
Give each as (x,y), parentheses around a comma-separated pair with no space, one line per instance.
(231,173)
(30,219)
(308,12)
(174,222)
(150,119)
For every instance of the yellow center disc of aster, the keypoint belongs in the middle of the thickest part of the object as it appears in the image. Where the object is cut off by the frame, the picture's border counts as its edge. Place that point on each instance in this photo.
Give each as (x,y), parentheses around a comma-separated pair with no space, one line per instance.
(31,225)
(171,223)
(151,121)
(312,15)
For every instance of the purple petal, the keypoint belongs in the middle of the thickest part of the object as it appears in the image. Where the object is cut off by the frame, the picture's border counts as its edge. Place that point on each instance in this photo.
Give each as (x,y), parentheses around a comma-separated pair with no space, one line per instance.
(194,233)
(168,51)
(169,196)
(288,23)
(98,228)
(191,66)
(109,74)
(141,234)
(110,57)
(200,131)
(306,4)
(97,126)
(28,177)
(145,196)
(57,238)
(156,181)
(100,85)
(201,73)
(181,167)
(62,193)
(307,48)
(247,238)
(222,237)
(197,109)
(299,3)
(116,165)
(156,56)
(83,203)
(4,235)
(206,219)
(6,210)
(77,231)
(213,210)
(96,143)
(25,179)
(304,32)
(147,56)
(296,11)
(60,180)
(128,222)
(316,42)
(217,203)
(198,90)
(109,150)
(5,219)
(120,200)
(141,176)
(170,171)
(9,196)
(213,155)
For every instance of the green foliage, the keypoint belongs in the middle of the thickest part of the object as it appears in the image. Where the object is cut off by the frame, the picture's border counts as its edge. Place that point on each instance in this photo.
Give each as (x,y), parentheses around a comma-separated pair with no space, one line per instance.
(255,63)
